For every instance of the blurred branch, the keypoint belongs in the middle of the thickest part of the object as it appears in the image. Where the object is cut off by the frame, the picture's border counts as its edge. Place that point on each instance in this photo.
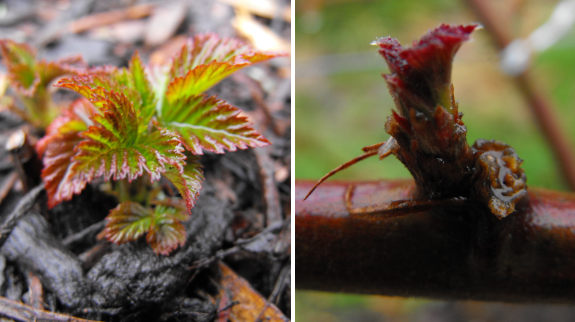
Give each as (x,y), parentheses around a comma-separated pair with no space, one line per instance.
(268,8)
(110,17)
(23,312)
(538,100)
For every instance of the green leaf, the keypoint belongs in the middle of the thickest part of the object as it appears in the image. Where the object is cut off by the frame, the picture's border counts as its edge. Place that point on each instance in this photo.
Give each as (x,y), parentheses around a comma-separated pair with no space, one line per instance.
(207,59)
(211,124)
(113,148)
(20,60)
(15,53)
(27,74)
(166,231)
(24,79)
(188,181)
(127,222)
(140,81)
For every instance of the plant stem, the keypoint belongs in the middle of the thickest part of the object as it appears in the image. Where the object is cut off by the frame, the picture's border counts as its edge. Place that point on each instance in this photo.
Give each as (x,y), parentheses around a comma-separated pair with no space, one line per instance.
(123,189)
(450,252)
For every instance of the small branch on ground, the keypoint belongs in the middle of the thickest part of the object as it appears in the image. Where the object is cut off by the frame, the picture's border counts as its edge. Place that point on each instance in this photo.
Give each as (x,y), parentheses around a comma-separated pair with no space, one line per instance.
(23,312)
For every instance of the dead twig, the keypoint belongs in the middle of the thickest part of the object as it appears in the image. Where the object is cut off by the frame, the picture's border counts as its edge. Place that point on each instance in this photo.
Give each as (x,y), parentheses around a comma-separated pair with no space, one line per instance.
(278,288)
(57,26)
(82,234)
(241,244)
(267,9)
(270,190)
(35,292)
(23,312)
(110,17)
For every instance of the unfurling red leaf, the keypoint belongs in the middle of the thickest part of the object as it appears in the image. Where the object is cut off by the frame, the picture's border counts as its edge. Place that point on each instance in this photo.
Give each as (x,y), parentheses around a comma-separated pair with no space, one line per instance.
(132,82)
(420,76)
(112,148)
(166,231)
(207,59)
(189,181)
(127,222)
(130,220)
(210,124)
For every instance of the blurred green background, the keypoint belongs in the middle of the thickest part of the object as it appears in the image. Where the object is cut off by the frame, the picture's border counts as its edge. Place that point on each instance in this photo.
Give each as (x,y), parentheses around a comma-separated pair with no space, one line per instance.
(342,103)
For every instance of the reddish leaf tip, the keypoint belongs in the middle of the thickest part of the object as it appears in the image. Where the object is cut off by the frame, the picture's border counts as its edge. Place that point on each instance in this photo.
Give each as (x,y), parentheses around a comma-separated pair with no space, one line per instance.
(421,74)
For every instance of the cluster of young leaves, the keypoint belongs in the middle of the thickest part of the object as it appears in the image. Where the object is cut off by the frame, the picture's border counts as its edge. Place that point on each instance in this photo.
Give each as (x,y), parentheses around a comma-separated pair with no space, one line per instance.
(129,125)
(29,78)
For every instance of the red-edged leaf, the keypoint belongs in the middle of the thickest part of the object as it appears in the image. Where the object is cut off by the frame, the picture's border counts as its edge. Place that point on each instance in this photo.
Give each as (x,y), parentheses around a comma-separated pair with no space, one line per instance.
(132,82)
(75,118)
(211,124)
(62,136)
(205,60)
(114,149)
(166,231)
(188,181)
(127,222)
(130,220)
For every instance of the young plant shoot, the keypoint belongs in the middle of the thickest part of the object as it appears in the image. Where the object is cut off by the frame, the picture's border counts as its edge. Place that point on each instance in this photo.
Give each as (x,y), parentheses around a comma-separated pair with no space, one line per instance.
(428,135)
(142,131)
(30,79)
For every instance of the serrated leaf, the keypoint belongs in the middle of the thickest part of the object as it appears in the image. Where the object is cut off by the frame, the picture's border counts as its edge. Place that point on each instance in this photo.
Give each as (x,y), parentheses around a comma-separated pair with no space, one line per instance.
(173,207)
(127,222)
(59,152)
(188,181)
(57,146)
(166,231)
(205,60)
(211,124)
(112,148)
(132,82)
(74,118)
(49,71)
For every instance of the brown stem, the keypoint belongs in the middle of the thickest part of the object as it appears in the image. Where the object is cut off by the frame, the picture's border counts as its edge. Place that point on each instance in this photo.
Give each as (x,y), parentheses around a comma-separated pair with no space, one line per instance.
(536,98)
(450,252)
